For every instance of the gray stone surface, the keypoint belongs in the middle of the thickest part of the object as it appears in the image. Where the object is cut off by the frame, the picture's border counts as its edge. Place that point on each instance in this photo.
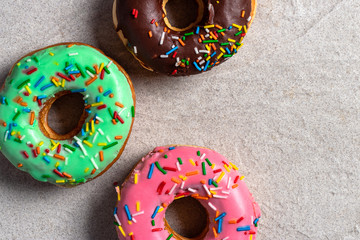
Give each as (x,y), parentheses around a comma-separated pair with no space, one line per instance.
(286,110)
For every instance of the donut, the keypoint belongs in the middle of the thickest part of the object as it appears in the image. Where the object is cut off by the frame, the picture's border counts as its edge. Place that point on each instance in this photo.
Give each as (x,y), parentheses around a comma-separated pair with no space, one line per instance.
(215,36)
(40,78)
(177,171)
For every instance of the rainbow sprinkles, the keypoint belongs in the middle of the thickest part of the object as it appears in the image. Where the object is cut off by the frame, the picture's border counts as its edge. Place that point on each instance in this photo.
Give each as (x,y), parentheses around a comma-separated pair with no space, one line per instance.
(108,116)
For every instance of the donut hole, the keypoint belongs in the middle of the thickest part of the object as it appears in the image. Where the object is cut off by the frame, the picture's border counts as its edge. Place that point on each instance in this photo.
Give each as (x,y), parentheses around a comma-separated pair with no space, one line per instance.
(187,218)
(63,115)
(181,15)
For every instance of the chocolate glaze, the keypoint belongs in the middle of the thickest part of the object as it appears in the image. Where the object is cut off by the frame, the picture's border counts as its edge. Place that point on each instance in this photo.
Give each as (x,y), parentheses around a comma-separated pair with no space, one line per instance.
(136,31)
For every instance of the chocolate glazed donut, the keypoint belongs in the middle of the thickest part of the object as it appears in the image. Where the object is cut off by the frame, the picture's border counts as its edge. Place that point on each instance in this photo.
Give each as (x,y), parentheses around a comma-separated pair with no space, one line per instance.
(215,36)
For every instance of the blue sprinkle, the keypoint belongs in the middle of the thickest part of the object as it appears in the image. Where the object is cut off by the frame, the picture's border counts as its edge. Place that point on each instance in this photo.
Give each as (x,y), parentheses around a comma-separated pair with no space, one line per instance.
(197,66)
(47,86)
(59,169)
(230,27)
(227,50)
(219,230)
(46,159)
(26,67)
(206,65)
(128,212)
(97,99)
(197,30)
(39,81)
(73,72)
(41,97)
(107,93)
(220,216)
(3,100)
(69,67)
(95,116)
(155,212)
(88,110)
(256,220)
(171,148)
(14,124)
(115,210)
(151,170)
(26,110)
(78,90)
(213,54)
(172,50)
(76,145)
(82,132)
(244,228)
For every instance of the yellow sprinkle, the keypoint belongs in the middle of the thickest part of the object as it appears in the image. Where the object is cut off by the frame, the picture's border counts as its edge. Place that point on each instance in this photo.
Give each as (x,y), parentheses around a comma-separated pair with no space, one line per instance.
(101,67)
(55,82)
(60,181)
(226,167)
(118,192)
(44,154)
(234,166)
(222,174)
(57,164)
(87,143)
(213,166)
(192,162)
(51,54)
(52,142)
(242,178)
(41,143)
(250,237)
(237,26)
(97,104)
(102,144)
(213,192)
(13,133)
(245,29)
(241,39)
(138,206)
(181,196)
(92,126)
(86,170)
(131,233)
(72,180)
(18,64)
(220,55)
(208,47)
(55,146)
(209,26)
(28,89)
(223,50)
(87,127)
(208,58)
(63,83)
(129,222)
(182,177)
(161,209)
(136,178)
(122,231)
(231,40)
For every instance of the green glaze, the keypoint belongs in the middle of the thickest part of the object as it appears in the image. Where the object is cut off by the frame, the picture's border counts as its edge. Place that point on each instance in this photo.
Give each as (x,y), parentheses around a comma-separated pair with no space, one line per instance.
(49,62)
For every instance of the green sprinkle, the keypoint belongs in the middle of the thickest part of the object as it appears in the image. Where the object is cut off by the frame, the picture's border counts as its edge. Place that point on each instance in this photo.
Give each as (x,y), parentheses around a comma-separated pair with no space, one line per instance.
(90,70)
(152,222)
(23,84)
(198,153)
(106,70)
(110,145)
(45,176)
(221,30)
(81,180)
(215,184)
(238,33)
(169,237)
(6,102)
(189,34)
(165,156)
(237,44)
(17,140)
(116,223)
(203,168)
(36,59)
(224,44)
(16,115)
(160,168)
(205,55)
(227,55)
(69,147)
(183,60)
(183,38)
(11,81)
(187,63)
(110,112)
(210,41)
(180,161)
(133,111)
(208,162)
(80,69)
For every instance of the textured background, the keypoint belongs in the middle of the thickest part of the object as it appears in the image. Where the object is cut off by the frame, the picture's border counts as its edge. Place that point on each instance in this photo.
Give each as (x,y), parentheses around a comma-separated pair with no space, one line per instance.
(286,110)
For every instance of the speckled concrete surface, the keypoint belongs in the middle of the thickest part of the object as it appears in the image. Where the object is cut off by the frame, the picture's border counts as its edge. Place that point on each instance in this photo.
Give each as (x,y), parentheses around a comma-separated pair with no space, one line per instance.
(286,110)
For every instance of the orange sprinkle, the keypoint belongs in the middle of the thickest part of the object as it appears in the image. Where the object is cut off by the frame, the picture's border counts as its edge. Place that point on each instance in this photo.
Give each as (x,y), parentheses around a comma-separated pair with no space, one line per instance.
(203,181)
(213,46)
(202,37)
(97,122)
(165,29)
(168,31)
(181,42)
(217,213)
(24,104)
(161,150)
(19,165)
(87,106)
(222,33)
(96,69)
(194,195)
(218,26)
(200,41)
(150,34)
(214,231)
(235,186)
(78,75)
(118,137)
(243,13)
(202,198)
(156,24)
(111,95)
(119,104)
(232,221)
(100,88)
(213,35)
(67,175)
(101,154)
(113,121)
(32,117)
(18,99)
(93,171)
(164,205)
(70,45)
(4,124)
(38,150)
(55,78)
(88,82)
(192,173)
(175,180)
(59,157)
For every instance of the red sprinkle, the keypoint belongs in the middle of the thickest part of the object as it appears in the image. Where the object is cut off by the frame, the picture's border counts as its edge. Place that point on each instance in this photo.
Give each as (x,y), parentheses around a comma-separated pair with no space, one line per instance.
(47,150)
(170,169)
(120,119)
(25,154)
(101,106)
(102,74)
(217,170)
(31,71)
(236,179)
(174,72)
(58,148)
(160,187)
(34,153)
(63,76)
(58,173)
(72,77)
(152,21)
(39,102)
(156,229)
(240,219)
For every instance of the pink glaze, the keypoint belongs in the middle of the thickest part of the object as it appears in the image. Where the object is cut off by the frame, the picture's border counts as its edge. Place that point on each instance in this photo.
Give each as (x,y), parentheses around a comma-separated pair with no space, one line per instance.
(238,204)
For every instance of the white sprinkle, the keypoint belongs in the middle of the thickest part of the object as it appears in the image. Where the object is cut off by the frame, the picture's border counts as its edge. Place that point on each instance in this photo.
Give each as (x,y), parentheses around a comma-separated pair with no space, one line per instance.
(66,161)
(108,138)
(82,148)
(94,163)
(175,37)
(219,196)
(212,206)
(225,192)
(16,110)
(215,188)
(202,156)
(207,35)
(119,113)
(162,38)
(249,18)
(135,49)
(164,56)
(99,118)
(182,185)
(206,190)
(199,58)
(134,220)
(28,60)
(178,59)
(202,62)
(173,188)
(207,30)
(6,135)
(109,64)
(225,238)
(50,154)
(204,51)
(73,54)
(77,139)
(178,166)
(95,136)
(100,131)
(196,50)
(22,138)
(117,219)
(177,64)
(68,150)
(191,190)
(173,46)
(86,96)
(228,183)
(137,214)
(28,142)
(96,155)
(89,73)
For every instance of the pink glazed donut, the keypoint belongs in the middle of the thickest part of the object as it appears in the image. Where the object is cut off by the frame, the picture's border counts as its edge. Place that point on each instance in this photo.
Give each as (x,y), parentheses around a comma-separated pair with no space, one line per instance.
(172,172)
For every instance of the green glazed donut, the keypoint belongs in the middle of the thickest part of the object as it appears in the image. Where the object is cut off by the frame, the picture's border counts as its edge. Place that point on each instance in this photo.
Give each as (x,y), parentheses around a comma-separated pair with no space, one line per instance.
(35,83)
